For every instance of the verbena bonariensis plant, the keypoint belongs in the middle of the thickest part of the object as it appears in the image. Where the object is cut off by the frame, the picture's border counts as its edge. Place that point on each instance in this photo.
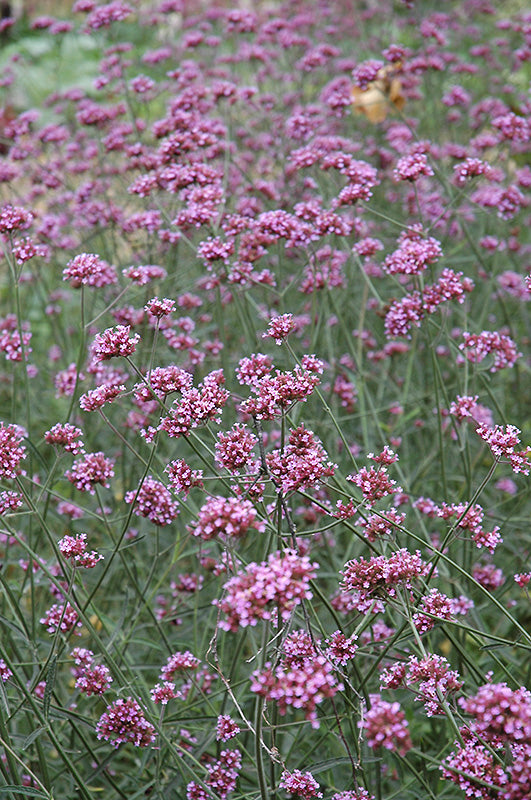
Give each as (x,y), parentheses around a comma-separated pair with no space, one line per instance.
(264,477)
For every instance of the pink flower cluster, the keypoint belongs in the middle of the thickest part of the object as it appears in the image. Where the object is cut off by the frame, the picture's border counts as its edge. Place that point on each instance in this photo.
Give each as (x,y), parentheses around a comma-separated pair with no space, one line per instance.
(67,436)
(144,274)
(61,617)
(280,327)
(433,675)
(74,548)
(375,482)
(226,728)
(325,269)
(5,672)
(221,779)
(182,477)
(153,500)
(234,448)
(469,519)
(276,393)
(385,725)
(196,406)
(113,343)
(366,72)
(14,218)
(66,381)
(300,784)
(96,398)
(381,526)
(302,463)
(162,382)
(411,309)
(412,167)
(473,762)
(180,665)
(9,501)
(124,721)
(90,471)
(12,451)
(88,269)
(102,16)
(346,391)
(378,579)
(501,720)
(523,579)
(226,517)
(500,713)
(503,444)
(11,342)
(414,253)
(477,346)
(467,407)
(341,649)
(437,606)
(251,369)
(160,308)
(90,678)
(269,590)
(470,168)
(178,662)
(303,678)
(489,576)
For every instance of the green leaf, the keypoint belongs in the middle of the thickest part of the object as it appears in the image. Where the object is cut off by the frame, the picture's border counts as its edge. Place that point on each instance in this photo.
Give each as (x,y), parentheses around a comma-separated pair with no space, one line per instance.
(31,738)
(3,699)
(50,683)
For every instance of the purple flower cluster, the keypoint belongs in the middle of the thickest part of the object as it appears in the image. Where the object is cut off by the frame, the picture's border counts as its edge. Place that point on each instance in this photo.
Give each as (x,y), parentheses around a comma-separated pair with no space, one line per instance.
(280,327)
(229,517)
(182,477)
(88,269)
(412,308)
(437,606)
(432,674)
(303,678)
(302,463)
(196,406)
(88,472)
(74,549)
(226,728)
(300,784)
(378,579)
(114,342)
(96,398)
(62,618)
(234,448)
(268,170)
(500,719)
(14,345)
(67,436)
(414,254)
(502,442)
(385,726)
(90,678)
(153,500)
(477,346)
(221,778)
(124,721)
(12,451)
(277,393)
(269,590)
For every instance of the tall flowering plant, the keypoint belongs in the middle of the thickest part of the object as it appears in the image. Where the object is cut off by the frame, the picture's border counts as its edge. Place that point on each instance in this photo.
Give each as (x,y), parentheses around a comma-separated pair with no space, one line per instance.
(264,449)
